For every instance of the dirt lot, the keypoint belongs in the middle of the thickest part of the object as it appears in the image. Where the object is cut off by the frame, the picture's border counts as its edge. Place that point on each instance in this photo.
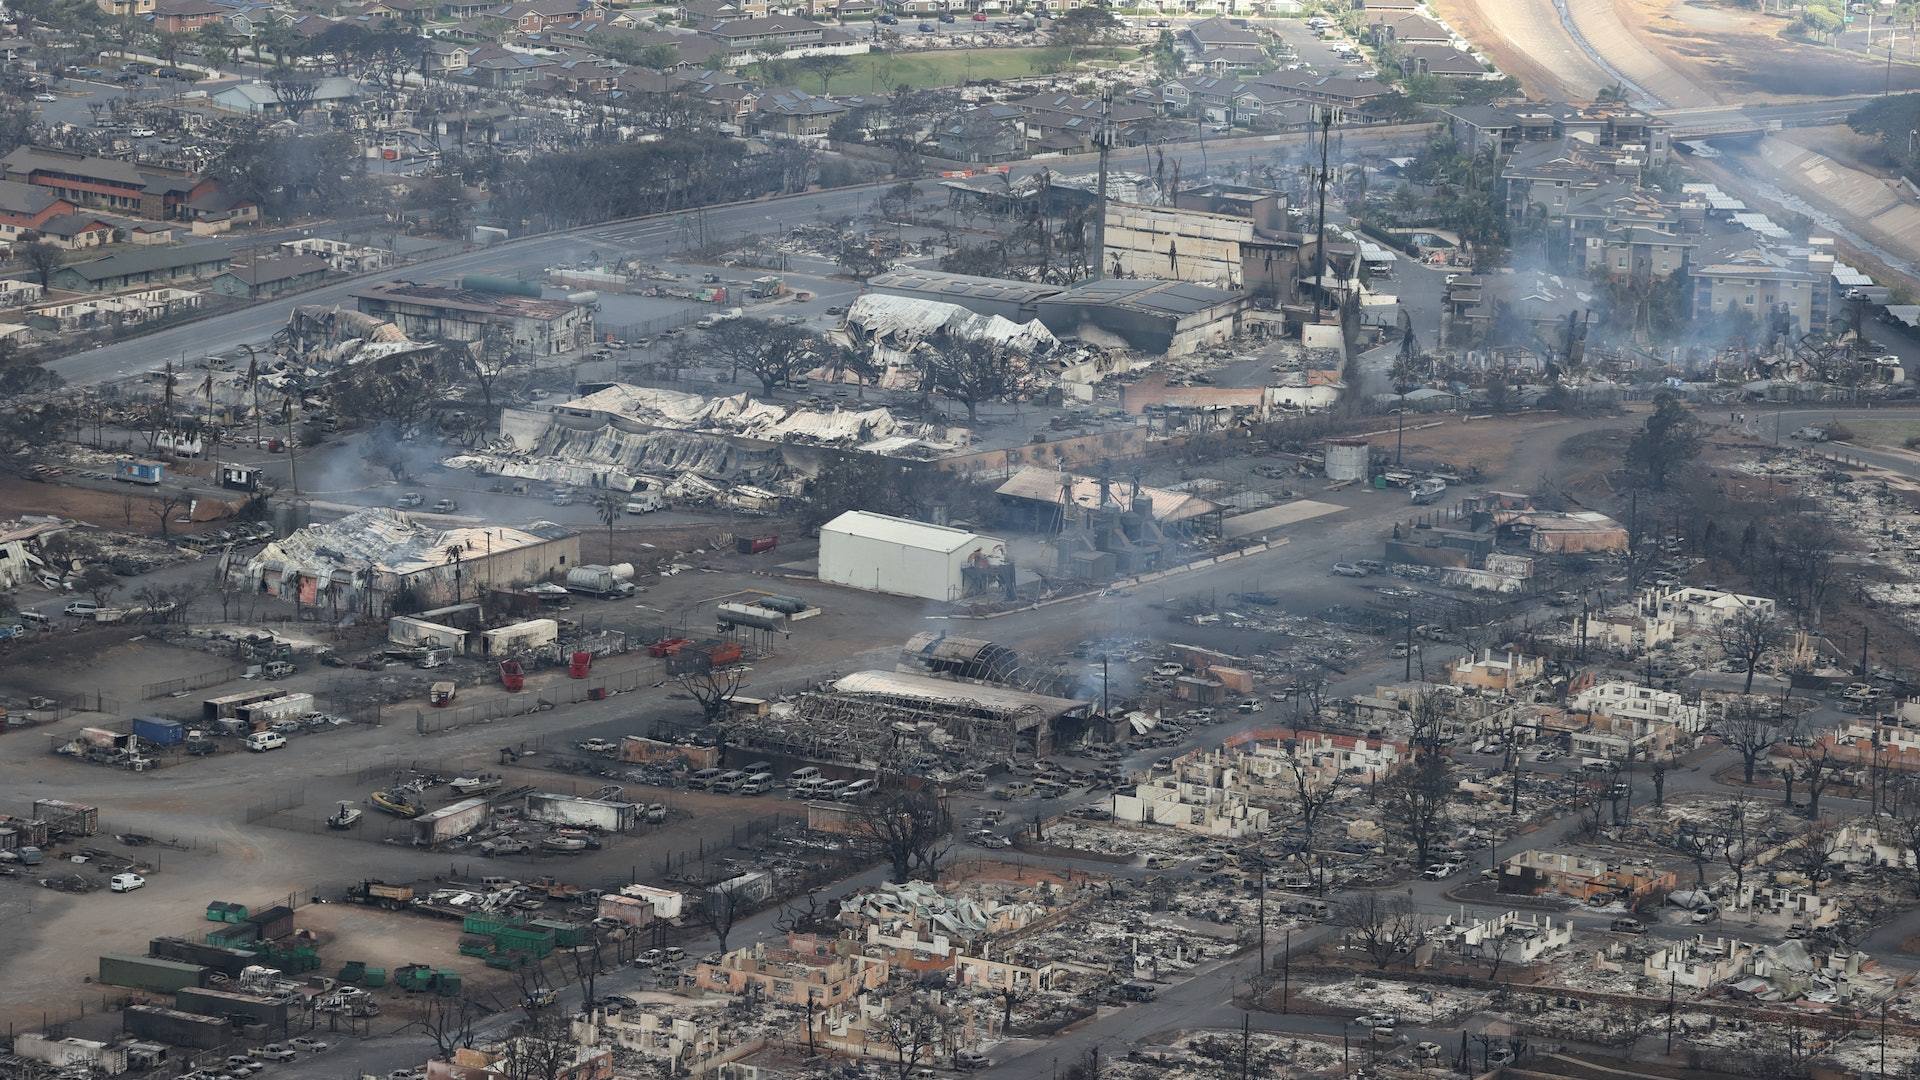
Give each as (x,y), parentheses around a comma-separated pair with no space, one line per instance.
(127,509)
(1741,54)
(1689,52)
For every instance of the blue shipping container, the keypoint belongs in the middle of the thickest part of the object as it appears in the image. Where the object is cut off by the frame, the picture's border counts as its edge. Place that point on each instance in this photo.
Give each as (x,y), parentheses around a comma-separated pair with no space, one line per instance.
(139,472)
(160,732)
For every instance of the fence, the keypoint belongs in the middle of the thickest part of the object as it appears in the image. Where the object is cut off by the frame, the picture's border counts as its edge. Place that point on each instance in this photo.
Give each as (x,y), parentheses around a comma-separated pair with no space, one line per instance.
(169,687)
(453,718)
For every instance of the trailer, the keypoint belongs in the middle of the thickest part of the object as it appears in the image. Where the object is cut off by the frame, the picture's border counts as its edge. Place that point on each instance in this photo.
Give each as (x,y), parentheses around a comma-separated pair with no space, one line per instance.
(221,708)
(284,707)
(177,1028)
(71,818)
(451,821)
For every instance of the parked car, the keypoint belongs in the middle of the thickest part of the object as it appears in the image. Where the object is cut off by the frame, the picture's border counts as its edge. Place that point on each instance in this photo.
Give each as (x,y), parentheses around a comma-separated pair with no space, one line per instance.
(1347,569)
(274,1052)
(445,506)
(125,882)
(82,609)
(312,1046)
(410,500)
(44,96)
(599,746)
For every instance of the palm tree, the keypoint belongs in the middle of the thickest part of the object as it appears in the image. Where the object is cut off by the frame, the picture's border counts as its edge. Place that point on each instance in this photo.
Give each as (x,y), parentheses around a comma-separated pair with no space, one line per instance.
(455,553)
(609,507)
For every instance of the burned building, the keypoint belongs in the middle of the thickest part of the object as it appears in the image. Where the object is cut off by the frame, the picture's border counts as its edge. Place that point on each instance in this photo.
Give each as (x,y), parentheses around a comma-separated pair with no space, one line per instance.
(941,653)
(871,715)
(532,326)
(364,560)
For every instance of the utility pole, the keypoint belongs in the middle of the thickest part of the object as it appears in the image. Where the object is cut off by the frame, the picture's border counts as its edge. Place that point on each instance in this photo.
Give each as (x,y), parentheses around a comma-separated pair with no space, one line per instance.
(1246,1045)
(1105,142)
(1320,230)
(1286,970)
(1671,976)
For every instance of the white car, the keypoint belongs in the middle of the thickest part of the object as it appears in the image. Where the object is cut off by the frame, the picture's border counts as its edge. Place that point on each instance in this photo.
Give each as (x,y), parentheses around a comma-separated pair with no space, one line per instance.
(125,882)
(44,96)
(84,609)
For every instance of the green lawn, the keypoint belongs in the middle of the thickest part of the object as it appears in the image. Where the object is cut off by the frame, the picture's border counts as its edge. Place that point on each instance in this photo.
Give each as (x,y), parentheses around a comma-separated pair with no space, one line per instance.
(878,73)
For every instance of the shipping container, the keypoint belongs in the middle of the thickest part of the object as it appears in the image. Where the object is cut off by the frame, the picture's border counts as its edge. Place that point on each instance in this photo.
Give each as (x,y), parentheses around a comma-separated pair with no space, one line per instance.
(239,934)
(250,1008)
(147,973)
(274,923)
(228,962)
(221,708)
(74,819)
(176,1027)
(160,732)
(135,471)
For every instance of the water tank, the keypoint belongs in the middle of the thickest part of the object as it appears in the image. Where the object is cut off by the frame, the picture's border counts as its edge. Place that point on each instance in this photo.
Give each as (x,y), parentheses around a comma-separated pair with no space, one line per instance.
(786,605)
(493,284)
(751,615)
(585,298)
(1347,459)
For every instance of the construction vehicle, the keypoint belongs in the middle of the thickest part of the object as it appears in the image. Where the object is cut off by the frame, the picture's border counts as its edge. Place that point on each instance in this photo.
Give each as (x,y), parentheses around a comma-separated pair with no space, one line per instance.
(375,891)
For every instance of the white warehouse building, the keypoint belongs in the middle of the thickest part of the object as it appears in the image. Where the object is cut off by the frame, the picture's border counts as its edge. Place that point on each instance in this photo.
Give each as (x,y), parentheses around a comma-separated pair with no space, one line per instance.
(907,558)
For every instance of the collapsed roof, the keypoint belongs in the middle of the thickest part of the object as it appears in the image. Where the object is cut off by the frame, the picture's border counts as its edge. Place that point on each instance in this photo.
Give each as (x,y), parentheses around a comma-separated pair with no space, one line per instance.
(903,321)
(388,542)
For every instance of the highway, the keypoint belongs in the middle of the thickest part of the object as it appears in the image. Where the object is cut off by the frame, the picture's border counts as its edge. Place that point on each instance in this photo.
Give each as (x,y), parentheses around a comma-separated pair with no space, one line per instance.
(660,233)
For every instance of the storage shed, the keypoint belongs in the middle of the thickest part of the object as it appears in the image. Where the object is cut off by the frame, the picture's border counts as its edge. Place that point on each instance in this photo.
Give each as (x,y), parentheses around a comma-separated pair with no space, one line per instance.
(907,558)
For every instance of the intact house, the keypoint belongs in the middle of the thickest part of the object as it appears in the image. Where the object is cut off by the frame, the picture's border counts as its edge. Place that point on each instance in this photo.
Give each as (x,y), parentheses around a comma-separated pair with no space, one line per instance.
(142,266)
(270,277)
(1543,178)
(1767,284)
(148,191)
(795,113)
(1439,62)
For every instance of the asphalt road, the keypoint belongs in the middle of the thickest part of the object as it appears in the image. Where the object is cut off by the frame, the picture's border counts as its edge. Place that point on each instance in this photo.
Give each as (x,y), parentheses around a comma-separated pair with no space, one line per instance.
(661,234)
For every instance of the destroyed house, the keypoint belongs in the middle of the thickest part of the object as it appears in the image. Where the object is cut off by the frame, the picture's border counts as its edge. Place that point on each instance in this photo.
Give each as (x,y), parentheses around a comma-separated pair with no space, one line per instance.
(533,326)
(1533,872)
(822,971)
(1041,499)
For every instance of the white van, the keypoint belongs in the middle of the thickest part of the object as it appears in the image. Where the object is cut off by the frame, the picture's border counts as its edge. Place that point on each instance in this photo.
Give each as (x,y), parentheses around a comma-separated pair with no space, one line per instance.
(642,502)
(829,789)
(262,741)
(757,784)
(859,789)
(803,774)
(805,789)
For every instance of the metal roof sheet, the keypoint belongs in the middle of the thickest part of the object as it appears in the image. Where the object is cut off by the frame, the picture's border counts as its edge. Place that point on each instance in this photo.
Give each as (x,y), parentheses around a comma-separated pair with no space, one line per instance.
(892,530)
